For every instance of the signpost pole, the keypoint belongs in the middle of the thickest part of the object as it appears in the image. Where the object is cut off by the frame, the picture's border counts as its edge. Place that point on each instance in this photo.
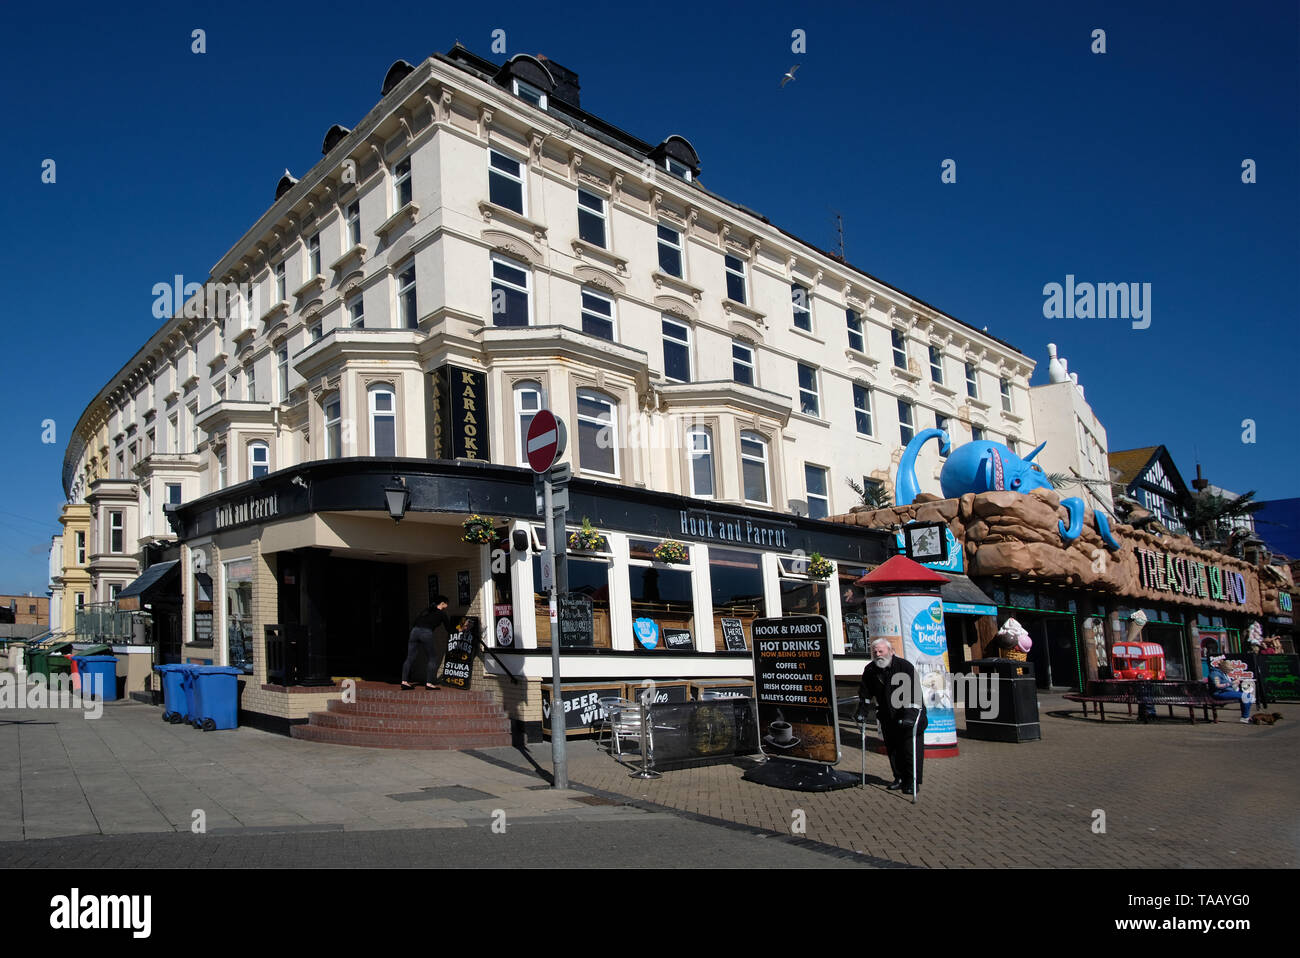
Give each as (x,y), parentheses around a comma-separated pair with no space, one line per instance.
(559,756)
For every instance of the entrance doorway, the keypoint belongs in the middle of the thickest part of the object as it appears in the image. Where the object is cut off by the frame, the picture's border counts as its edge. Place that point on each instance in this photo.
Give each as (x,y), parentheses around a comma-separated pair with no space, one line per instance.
(1055,652)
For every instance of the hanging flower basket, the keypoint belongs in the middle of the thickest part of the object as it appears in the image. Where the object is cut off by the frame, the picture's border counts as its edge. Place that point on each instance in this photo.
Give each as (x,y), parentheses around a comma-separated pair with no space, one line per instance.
(670,551)
(819,567)
(587,539)
(478,529)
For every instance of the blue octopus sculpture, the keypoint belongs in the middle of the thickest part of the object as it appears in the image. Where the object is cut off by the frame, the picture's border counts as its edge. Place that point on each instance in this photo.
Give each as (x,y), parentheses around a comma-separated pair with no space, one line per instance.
(986,466)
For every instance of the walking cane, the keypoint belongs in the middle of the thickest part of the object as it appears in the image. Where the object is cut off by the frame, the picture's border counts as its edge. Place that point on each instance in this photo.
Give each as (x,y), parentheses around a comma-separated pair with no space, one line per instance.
(862,726)
(914,726)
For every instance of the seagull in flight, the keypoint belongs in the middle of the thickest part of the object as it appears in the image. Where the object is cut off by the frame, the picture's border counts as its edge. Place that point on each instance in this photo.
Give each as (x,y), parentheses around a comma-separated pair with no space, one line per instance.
(789,77)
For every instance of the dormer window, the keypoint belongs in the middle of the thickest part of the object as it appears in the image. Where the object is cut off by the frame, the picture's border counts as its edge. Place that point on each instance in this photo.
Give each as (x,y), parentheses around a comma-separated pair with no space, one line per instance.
(679,170)
(530,93)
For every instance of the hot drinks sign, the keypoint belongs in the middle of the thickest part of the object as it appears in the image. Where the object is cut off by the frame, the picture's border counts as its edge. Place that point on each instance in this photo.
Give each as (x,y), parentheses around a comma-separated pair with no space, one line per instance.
(795,688)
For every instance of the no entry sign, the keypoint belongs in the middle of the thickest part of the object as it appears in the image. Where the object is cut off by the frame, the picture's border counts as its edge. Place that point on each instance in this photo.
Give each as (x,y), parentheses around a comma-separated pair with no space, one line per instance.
(543,442)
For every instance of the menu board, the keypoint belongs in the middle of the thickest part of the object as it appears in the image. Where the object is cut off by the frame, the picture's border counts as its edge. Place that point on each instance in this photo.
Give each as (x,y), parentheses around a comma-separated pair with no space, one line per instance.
(458,664)
(1277,677)
(855,632)
(577,628)
(733,635)
(795,689)
(202,628)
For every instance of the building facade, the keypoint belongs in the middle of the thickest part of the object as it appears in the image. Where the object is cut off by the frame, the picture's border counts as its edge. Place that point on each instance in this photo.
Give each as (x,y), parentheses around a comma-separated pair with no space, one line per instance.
(478,247)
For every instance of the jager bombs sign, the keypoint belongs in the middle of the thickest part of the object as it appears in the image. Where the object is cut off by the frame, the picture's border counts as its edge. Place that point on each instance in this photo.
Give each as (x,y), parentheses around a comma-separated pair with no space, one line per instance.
(795,689)
(460,414)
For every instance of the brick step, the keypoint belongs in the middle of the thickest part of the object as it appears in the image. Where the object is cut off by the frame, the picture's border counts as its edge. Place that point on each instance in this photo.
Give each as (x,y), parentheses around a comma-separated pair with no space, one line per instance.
(449,741)
(407,726)
(394,693)
(397,709)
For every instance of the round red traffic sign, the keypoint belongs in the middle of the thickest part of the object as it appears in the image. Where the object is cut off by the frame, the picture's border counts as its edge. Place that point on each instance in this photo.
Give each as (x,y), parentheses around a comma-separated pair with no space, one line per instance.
(542,443)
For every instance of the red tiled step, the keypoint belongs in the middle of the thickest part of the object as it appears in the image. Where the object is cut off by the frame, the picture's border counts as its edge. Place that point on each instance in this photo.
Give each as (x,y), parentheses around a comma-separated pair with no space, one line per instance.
(393,693)
(384,723)
(411,709)
(419,740)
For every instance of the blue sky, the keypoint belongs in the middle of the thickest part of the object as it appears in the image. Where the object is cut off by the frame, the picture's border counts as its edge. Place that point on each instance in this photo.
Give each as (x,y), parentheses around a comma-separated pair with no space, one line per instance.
(1115,167)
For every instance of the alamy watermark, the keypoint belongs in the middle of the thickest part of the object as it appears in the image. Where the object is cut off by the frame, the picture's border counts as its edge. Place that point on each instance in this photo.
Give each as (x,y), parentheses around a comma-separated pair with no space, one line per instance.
(35,691)
(945,690)
(1098,301)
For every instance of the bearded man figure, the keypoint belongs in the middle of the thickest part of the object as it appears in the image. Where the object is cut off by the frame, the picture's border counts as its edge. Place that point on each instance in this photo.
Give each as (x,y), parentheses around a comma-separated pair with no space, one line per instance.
(890,681)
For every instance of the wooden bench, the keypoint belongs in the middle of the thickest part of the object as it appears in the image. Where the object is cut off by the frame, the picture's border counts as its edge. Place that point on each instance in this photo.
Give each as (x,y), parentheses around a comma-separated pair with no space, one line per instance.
(1149,694)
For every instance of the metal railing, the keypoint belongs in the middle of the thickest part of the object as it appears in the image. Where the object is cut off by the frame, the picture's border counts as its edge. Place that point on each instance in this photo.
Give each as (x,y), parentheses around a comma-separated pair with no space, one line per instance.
(102,622)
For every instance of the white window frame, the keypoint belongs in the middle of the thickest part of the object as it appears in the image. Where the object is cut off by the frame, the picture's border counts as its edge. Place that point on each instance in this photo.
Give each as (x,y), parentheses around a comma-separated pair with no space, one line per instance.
(911,420)
(372,392)
(936,364)
(167,493)
(402,184)
(805,310)
(693,455)
(333,426)
(282,374)
(682,341)
(742,272)
(81,547)
(530,94)
(611,318)
(943,422)
(868,409)
(353,217)
(677,168)
(519,178)
(281,293)
(174,432)
(253,447)
(250,383)
(221,470)
(815,391)
(313,256)
(972,381)
(824,499)
(748,364)
(527,288)
(408,314)
(601,214)
(756,439)
(116,525)
(898,342)
(521,389)
(193,411)
(853,326)
(356,308)
(592,395)
(678,247)
(1004,388)
(316,332)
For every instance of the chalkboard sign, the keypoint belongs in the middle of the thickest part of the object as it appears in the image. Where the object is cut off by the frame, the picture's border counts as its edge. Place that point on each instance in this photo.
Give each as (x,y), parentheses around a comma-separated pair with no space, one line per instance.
(462,588)
(582,708)
(202,628)
(733,635)
(678,639)
(1277,677)
(458,664)
(577,628)
(855,632)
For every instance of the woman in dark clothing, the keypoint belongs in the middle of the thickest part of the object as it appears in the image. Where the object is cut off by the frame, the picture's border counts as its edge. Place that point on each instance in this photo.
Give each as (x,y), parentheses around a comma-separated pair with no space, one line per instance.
(422,637)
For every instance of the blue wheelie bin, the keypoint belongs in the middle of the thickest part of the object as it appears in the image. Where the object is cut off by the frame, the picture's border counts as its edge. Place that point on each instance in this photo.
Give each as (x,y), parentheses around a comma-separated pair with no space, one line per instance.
(98,675)
(173,682)
(216,697)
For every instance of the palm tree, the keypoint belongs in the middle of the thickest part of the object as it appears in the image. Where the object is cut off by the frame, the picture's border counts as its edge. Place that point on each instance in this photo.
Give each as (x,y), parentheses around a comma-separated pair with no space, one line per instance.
(874,496)
(1211,516)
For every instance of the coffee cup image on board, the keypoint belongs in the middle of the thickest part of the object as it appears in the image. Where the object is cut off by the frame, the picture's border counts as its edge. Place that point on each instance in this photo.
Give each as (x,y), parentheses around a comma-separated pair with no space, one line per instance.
(795,732)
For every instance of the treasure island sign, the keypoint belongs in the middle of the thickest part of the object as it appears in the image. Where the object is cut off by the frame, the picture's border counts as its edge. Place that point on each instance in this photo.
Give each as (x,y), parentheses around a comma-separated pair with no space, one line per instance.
(1180,575)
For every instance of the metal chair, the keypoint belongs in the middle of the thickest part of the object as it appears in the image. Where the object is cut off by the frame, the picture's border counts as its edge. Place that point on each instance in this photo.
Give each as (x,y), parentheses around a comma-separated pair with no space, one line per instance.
(624,721)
